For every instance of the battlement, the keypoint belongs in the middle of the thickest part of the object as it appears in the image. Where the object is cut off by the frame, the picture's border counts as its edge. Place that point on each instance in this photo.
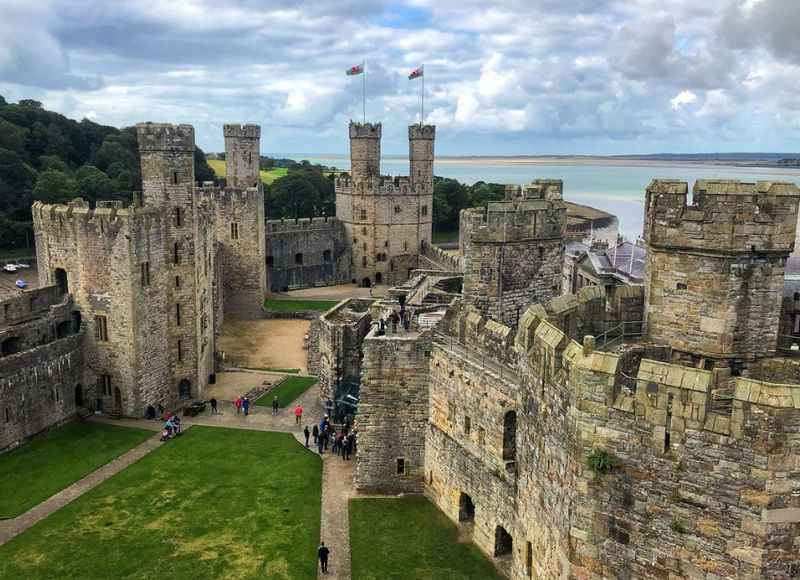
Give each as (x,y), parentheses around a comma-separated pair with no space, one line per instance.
(242,131)
(365,130)
(293,225)
(549,189)
(165,137)
(420,131)
(725,216)
(385,185)
(108,219)
(517,219)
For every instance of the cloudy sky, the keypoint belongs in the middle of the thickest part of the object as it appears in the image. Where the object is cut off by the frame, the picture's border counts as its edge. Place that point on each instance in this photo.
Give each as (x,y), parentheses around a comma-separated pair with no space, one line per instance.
(502,76)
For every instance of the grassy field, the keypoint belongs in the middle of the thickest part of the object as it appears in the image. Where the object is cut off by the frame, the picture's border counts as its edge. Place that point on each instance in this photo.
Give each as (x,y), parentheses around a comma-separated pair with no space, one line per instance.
(218,165)
(410,538)
(295,305)
(214,503)
(35,471)
(287,391)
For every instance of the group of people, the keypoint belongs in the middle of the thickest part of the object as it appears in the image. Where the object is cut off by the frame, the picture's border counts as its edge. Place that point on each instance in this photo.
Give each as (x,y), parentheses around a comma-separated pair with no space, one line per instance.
(242,405)
(342,441)
(172,426)
(403,318)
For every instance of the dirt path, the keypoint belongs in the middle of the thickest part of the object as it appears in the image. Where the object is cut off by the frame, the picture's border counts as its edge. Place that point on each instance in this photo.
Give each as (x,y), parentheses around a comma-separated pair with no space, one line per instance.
(255,344)
(337,489)
(14,527)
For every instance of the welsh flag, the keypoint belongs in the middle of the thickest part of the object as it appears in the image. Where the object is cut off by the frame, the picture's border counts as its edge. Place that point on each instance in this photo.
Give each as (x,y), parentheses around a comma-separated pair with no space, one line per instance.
(416,73)
(355,70)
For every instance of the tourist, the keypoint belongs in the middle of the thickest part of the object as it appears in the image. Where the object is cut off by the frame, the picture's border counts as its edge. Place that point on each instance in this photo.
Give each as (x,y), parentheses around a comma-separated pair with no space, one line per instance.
(319,443)
(346,448)
(306,432)
(406,322)
(213,406)
(298,414)
(393,318)
(246,406)
(381,327)
(275,405)
(315,433)
(238,403)
(340,443)
(323,554)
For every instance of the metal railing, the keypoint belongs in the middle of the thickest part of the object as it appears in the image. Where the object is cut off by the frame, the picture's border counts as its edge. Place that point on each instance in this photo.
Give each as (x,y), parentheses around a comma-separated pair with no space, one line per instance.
(620,332)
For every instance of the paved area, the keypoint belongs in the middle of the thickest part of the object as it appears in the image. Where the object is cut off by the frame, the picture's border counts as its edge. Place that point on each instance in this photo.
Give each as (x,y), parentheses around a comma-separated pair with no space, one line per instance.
(14,527)
(231,384)
(272,343)
(337,489)
(338,292)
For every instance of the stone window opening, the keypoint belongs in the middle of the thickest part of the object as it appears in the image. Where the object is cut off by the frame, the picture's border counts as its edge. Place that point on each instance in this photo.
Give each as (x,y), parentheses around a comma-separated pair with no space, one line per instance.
(298,259)
(680,286)
(174,178)
(796,325)
(105,385)
(180,351)
(249,156)
(55,395)
(668,424)
(401,466)
(364,261)
(467,425)
(503,542)
(176,253)
(145,272)
(178,217)
(510,436)
(529,559)
(466,508)
(397,209)
(184,389)
(8,415)
(234,231)
(378,278)
(10,346)
(270,261)
(541,253)
(405,245)
(101,328)
(177,314)
(481,436)
(736,368)
(364,216)
(326,256)
(177,281)
(424,210)
(62,281)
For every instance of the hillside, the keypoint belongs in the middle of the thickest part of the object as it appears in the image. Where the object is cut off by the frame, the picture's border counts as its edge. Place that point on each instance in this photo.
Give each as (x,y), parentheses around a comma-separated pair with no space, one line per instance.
(218,165)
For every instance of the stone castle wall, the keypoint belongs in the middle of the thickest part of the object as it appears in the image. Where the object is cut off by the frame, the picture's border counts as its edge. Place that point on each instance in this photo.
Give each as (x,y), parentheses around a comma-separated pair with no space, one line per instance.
(242,156)
(42,379)
(393,412)
(306,252)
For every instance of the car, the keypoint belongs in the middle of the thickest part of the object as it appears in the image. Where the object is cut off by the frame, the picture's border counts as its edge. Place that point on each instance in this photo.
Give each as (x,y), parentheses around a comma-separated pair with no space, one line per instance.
(10,267)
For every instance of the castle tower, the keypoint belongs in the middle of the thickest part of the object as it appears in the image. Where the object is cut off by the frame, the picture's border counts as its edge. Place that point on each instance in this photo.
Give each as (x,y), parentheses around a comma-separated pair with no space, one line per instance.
(241,224)
(420,155)
(365,151)
(167,160)
(242,155)
(714,274)
(515,251)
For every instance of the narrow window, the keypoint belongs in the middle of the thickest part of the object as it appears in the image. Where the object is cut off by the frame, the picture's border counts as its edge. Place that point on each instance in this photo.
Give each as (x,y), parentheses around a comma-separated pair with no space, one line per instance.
(145,266)
(270,261)
(481,436)
(668,424)
(451,411)
(105,384)
(250,157)
(681,286)
(177,281)
(797,295)
(8,415)
(298,259)
(234,231)
(180,351)
(101,328)
(424,210)
(363,214)
(405,245)
(178,217)
(796,324)
(176,255)
(401,466)
(397,209)
(529,560)
(326,256)
(364,231)
(174,178)
(510,436)
(364,261)
(467,425)
(178,314)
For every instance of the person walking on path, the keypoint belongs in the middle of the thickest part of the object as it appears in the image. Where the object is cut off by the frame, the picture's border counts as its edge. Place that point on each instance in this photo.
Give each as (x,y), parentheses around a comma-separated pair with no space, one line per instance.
(319,443)
(323,554)
(298,414)
(275,405)
(238,403)
(315,433)
(306,432)
(213,406)
(246,406)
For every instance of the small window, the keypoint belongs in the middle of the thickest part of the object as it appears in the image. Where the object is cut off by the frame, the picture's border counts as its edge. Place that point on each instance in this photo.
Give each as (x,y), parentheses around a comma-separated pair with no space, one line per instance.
(249,156)
(8,415)
(364,231)
(481,436)
(467,425)
(298,259)
(105,384)
(234,231)
(397,209)
(363,214)
(178,217)
(405,245)
(176,253)
(386,244)
(451,411)
(326,256)
(145,268)
(270,261)
(401,466)
(177,281)
(180,351)
(541,253)
(797,295)
(101,328)
(174,178)
(364,261)
(178,314)
(681,286)
(424,210)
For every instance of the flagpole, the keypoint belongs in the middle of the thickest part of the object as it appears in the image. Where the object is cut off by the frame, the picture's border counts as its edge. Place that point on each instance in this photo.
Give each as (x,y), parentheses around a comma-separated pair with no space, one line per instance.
(422,99)
(364,90)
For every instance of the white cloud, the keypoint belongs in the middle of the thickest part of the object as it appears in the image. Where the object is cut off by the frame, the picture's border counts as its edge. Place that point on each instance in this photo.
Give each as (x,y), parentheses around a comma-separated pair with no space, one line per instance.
(682,99)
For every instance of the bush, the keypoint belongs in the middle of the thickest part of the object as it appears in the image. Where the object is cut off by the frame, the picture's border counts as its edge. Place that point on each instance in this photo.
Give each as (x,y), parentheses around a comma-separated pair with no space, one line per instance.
(601,461)
(677,527)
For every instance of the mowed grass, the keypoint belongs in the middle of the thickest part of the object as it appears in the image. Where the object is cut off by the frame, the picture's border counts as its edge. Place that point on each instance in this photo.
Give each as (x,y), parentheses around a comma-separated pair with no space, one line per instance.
(295,305)
(287,391)
(218,165)
(410,538)
(38,469)
(214,503)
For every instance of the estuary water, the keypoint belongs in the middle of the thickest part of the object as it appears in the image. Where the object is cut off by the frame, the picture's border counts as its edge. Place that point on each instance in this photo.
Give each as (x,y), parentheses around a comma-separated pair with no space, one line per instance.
(616,186)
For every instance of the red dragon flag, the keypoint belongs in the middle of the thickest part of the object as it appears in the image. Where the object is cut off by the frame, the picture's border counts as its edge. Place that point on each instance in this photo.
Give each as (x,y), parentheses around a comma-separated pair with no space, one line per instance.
(355,70)
(416,73)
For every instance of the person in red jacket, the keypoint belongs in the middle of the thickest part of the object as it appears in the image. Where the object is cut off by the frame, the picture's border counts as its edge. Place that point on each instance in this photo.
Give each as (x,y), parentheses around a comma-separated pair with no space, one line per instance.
(298,414)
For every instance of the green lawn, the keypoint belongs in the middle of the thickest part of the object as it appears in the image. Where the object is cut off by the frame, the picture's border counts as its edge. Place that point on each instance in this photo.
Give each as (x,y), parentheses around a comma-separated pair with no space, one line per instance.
(410,538)
(214,503)
(287,391)
(35,471)
(295,305)
(218,165)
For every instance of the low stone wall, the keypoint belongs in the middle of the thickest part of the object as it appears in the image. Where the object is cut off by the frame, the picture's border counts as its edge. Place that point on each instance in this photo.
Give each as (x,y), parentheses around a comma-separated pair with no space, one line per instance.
(293,315)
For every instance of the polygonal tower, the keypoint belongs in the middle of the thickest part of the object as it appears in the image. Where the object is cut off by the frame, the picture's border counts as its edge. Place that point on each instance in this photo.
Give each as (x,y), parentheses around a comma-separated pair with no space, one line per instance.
(714,275)
(420,155)
(514,250)
(365,151)
(242,155)
(167,163)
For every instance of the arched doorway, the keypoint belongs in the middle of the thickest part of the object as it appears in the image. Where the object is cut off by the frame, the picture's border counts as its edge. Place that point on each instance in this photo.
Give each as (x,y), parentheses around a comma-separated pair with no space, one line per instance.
(366,283)
(503,543)
(466,509)
(61,281)
(510,436)
(78,395)
(184,389)
(117,400)
(378,278)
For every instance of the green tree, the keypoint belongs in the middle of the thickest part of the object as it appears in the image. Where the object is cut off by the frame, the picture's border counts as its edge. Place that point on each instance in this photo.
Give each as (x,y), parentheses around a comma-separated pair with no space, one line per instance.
(54,186)
(93,184)
(52,162)
(12,137)
(202,170)
(293,196)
